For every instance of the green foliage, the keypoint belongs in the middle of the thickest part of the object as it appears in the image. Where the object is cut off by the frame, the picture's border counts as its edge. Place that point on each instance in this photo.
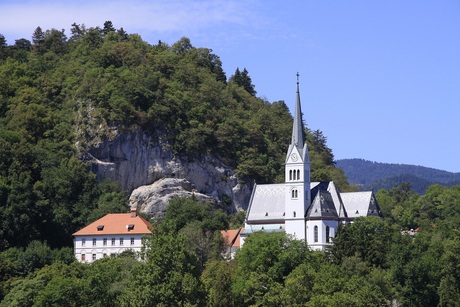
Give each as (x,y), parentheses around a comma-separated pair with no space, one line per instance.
(217,280)
(367,238)
(241,78)
(263,262)
(169,277)
(200,225)
(57,92)
(182,211)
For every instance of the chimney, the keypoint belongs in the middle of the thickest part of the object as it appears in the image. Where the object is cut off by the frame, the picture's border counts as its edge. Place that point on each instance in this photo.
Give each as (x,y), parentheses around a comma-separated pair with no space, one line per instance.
(133,212)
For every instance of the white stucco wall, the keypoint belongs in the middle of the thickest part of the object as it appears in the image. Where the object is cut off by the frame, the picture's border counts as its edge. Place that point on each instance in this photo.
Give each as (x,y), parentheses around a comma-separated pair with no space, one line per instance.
(100,250)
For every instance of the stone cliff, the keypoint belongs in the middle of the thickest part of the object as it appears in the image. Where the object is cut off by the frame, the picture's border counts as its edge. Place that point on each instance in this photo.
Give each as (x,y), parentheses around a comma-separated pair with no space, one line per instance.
(148,168)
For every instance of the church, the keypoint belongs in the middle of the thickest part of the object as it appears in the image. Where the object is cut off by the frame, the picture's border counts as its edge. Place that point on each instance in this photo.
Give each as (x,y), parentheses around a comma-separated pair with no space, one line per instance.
(309,211)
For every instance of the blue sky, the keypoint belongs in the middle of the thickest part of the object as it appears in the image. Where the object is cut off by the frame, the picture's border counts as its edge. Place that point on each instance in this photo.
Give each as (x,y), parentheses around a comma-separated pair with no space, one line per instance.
(381,79)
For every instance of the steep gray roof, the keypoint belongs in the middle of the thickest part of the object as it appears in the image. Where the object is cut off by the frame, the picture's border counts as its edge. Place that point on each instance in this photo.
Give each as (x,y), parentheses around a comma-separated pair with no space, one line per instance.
(361,204)
(267,203)
(298,133)
(322,206)
(330,187)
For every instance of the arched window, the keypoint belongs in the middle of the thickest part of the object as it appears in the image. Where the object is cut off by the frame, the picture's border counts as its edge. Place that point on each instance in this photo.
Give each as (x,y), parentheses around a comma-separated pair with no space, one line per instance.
(294,194)
(293,213)
(327,234)
(315,233)
(298,174)
(290,174)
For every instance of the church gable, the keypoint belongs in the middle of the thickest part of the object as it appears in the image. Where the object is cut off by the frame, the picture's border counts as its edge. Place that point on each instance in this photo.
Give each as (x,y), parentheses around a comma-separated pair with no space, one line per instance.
(294,155)
(322,206)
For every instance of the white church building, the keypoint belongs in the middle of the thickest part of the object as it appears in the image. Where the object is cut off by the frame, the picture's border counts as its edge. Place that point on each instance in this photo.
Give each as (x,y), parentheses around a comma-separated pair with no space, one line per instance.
(310,211)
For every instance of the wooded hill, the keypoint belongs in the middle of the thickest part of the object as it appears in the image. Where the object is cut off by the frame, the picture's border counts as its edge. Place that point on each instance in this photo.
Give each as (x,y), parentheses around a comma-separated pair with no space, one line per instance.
(58,92)
(368,175)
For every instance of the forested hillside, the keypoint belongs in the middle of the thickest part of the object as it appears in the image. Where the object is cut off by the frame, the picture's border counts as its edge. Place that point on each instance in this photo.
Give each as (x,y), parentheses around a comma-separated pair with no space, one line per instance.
(59,93)
(374,176)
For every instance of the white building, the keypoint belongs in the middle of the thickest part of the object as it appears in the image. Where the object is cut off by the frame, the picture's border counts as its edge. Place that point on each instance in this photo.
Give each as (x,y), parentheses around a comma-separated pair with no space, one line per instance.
(310,211)
(111,235)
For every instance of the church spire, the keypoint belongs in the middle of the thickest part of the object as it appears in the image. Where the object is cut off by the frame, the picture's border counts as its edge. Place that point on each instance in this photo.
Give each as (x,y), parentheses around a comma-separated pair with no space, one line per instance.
(298,133)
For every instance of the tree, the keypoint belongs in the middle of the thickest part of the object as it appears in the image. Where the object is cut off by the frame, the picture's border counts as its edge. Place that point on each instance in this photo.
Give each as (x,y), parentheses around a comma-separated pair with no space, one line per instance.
(243,79)
(169,277)
(449,286)
(54,285)
(38,39)
(367,238)
(55,41)
(123,34)
(3,47)
(263,262)
(77,31)
(108,27)
(217,279)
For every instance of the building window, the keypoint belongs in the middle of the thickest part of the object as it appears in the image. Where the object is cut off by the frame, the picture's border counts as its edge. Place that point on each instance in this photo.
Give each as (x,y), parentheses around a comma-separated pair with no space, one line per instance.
(121,241)
(290,174)
(113,241)
(104,255)
(94,242)
(298,174)
(83,242)
(83,257)
(104,241)
(327,234)
(315,233)
(132,241)
(294,194)
(94,257)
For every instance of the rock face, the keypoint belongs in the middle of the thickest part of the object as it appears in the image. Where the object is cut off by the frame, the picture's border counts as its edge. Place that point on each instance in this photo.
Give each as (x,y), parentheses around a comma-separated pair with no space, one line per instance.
(138,161)
(154,199)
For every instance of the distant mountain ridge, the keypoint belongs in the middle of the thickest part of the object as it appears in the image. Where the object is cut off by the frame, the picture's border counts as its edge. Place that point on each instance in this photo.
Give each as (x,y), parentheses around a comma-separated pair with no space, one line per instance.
(375,175)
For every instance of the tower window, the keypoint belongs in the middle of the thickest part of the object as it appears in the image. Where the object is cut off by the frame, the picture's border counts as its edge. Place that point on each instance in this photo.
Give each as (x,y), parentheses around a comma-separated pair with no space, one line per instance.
(298,174)
(293,213)
(315,233)
(294,194)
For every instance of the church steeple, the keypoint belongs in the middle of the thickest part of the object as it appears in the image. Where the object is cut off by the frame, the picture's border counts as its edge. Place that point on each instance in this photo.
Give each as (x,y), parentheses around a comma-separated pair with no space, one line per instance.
(297,177)
(298,134)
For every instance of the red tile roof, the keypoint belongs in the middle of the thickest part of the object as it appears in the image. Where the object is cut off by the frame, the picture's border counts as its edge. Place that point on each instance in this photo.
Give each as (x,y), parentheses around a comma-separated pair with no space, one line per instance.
(232,237)
(116,223)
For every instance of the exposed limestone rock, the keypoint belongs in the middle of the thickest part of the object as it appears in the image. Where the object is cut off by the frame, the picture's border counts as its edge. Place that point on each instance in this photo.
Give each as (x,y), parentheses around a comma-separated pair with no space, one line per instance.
(136,159)
(153,199)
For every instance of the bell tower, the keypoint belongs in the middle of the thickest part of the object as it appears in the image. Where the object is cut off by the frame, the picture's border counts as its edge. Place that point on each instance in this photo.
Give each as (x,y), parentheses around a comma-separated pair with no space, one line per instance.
(297,177)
